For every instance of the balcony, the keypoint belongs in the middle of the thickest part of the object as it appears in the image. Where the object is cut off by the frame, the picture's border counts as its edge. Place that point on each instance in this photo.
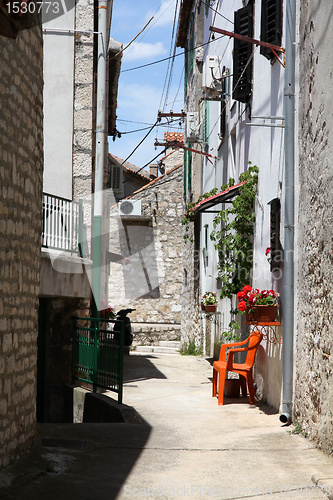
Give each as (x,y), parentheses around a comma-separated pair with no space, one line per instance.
(62,225)
(64,264)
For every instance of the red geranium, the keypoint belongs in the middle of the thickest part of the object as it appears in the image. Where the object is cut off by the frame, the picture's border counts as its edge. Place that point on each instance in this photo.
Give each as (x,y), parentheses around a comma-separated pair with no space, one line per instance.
(242,306)
(249,297)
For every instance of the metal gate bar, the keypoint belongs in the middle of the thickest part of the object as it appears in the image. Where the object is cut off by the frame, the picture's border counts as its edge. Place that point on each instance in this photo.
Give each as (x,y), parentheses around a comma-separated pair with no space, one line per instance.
(98,353)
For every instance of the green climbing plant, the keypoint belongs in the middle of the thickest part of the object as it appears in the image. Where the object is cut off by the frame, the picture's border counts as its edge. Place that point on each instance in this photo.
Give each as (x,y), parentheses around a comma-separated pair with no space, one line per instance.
(233,238)
(233,234)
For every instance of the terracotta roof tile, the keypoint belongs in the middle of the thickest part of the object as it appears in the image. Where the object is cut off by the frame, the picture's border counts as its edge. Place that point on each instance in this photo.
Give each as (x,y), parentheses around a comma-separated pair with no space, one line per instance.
(173,137)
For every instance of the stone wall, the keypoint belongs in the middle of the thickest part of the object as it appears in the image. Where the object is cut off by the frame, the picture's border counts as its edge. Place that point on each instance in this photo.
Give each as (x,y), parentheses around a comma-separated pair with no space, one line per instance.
(314,342)
(21,170)
(149,279)
(83,147)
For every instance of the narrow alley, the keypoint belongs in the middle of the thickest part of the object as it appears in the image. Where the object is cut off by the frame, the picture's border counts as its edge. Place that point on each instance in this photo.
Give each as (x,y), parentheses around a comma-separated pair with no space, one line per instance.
(177,442)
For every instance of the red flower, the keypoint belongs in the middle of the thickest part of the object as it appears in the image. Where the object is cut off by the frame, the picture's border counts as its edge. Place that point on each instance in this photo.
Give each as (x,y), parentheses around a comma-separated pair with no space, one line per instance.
(242,305)
(252,299)
(247,288)
(268,249)
(241,295)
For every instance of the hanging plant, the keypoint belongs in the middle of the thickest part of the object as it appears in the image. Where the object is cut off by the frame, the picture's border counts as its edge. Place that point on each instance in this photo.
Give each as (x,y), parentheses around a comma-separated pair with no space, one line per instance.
(234,239)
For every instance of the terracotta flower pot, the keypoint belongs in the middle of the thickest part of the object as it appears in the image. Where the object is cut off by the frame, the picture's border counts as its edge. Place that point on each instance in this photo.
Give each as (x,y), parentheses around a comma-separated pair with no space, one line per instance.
(250,316)
(265,314)
(211,308)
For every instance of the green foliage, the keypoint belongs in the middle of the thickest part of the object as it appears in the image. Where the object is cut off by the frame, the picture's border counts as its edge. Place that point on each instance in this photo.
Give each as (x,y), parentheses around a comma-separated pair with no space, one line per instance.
(298,429)
(190,206)
(233,234)
(190,349)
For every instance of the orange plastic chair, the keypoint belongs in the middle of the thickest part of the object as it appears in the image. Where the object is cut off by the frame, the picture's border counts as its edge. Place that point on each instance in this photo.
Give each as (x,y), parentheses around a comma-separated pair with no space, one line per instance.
(222,366)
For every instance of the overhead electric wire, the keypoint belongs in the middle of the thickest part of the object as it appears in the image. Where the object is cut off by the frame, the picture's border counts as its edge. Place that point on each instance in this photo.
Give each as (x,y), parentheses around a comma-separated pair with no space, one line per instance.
(207,3)
(146,165)
(171,61)
(176,55)
(146,128)
(152,25)
(136,147)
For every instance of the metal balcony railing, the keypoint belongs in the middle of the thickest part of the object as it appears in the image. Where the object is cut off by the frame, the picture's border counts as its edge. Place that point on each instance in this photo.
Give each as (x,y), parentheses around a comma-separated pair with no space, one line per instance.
(62,224)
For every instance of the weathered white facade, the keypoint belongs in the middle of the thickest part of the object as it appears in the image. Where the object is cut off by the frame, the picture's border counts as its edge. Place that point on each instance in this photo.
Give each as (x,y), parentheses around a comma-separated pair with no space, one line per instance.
(247,124)
(236,131)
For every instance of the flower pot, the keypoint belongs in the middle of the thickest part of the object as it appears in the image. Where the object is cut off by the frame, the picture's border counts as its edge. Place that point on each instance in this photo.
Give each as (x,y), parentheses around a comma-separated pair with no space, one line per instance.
(203,307)
(231,388)
(211,308)
(265,314)
(250,316)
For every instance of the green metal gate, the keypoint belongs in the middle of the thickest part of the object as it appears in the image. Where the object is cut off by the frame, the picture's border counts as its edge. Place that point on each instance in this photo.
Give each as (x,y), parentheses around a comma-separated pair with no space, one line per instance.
(98,353)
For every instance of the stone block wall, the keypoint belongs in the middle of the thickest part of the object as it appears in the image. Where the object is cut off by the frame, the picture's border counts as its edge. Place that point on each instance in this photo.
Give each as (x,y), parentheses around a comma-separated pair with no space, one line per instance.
(21,171)
(153,285)
(314,314)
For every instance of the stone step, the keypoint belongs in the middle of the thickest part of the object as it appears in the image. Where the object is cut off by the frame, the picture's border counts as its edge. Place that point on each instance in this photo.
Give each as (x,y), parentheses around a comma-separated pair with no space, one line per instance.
(170,343)
(156,349)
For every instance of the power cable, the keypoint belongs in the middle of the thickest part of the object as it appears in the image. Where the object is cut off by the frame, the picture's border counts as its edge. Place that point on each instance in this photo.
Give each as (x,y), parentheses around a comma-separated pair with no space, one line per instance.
(176,55)
(171,45)
(144,166)
(145,137)
(207,3)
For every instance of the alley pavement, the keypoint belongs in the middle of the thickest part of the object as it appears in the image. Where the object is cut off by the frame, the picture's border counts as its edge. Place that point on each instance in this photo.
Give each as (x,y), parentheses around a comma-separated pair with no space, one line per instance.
(174,442)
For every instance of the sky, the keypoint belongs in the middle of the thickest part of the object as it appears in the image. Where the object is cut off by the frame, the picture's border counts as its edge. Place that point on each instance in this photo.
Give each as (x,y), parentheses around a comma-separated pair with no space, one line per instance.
(142,92)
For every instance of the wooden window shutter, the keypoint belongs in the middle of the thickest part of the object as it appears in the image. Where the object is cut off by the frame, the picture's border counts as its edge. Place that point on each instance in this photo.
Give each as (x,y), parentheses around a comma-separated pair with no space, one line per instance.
(192,39)
(271,25)
(242,71)
(185,176)
(223,105)
(275,248)
(186,67)
(205,127)
(189,167)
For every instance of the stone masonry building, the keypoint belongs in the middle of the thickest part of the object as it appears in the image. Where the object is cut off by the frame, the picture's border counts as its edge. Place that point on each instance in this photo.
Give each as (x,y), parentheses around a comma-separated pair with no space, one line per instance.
(21,173)
(149,276)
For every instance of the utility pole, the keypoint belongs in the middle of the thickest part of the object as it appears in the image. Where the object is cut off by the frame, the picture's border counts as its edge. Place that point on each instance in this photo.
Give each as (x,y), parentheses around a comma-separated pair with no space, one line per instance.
(103,37)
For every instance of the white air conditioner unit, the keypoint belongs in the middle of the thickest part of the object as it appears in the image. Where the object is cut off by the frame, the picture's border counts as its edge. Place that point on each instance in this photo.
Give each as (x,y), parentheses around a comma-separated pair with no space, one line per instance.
(130,207)
(212,72)
(192,126)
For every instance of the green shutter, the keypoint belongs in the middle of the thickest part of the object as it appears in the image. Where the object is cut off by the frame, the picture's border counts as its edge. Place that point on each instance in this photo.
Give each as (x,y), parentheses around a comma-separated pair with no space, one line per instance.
(185,175)
(189,175)
(186,68)
(206,126)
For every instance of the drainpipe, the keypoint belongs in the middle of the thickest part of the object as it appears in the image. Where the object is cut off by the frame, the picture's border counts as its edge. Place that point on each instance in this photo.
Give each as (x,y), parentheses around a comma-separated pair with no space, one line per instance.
(99,150)
(289,228)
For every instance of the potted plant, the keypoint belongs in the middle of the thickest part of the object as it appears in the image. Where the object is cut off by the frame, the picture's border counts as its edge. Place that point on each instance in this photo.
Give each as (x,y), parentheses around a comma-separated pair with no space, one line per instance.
(259,306)
(209,302)
(107,311)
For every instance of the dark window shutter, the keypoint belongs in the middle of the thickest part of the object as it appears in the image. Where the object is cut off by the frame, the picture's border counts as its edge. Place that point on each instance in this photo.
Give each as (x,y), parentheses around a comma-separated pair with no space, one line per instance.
(271,25)
(275,252)
(223,115)
(242,72)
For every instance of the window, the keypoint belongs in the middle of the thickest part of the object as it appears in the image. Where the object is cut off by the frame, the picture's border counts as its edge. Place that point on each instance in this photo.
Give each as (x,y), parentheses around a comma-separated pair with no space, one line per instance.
(224,100)
(191,47)
(185,176)
(242,59)
(275,248)
(115,179)
(271,25)
(205,128)
(189,170)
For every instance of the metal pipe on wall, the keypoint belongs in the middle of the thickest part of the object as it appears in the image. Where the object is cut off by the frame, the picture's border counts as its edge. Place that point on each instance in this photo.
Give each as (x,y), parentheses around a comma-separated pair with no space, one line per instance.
(289,227)
(103,37)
